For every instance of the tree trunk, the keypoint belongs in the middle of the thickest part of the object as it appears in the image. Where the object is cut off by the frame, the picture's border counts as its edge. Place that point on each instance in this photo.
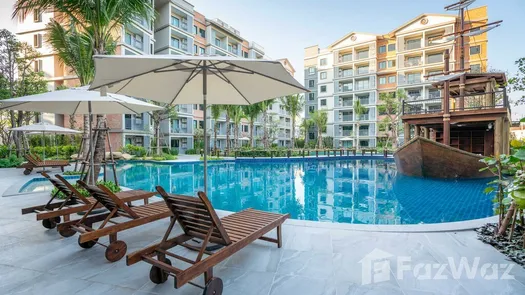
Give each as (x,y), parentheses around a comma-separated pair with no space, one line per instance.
(357,136)
(100,144)
(508,218)
(215,130)
(236,136)
(85,134)
(251,134)
(265,133)
(227,133)
(293,132)
(157,136)
(319,137)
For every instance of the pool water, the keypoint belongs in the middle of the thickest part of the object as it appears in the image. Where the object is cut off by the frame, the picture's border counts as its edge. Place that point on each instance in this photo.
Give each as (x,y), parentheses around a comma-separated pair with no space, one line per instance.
(345,191)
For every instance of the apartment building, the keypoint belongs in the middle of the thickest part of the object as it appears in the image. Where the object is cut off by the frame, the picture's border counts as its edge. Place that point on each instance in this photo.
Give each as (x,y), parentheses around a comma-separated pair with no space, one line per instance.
(362,66)
(178,29)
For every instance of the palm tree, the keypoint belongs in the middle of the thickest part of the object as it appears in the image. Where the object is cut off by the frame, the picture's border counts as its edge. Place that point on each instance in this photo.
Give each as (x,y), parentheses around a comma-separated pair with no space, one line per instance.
(359,110)
(305,126)
(264,106)
(252,112)
(99,20)
(236,116)
(216,111)
(229,110)
(390,106)
(294,105)
(320,118)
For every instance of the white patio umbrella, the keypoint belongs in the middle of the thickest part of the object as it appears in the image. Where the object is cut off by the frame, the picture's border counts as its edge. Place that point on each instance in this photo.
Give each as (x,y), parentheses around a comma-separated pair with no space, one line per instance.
(181,79)
(77,101)
(45,128)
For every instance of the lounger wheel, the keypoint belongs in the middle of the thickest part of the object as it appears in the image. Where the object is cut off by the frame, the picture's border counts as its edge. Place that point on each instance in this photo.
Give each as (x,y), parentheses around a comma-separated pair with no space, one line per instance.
(51,222)
(27,171)
(158,275)
(213,287)
(88,244)
(116,250)
(67,232)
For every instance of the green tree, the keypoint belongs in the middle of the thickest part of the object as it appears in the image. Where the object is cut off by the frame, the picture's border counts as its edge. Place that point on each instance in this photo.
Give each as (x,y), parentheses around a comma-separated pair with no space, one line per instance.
(216,111)
(229,110)
(236,116)
(517,82)
(169,113)
(100,20)
(252,112)
(390,106)
(305,126)
(18,78)
(320,119)
(266,130)
(294,105)
(359,110)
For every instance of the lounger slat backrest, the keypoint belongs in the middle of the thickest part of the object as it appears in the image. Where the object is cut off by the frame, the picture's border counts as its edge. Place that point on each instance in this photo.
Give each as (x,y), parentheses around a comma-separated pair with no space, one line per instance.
(195,215)
(31,159)
(105,197)
(70,188)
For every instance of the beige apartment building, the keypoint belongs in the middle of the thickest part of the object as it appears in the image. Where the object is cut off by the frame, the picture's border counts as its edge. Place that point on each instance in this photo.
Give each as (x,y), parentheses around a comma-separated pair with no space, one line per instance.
(361,66)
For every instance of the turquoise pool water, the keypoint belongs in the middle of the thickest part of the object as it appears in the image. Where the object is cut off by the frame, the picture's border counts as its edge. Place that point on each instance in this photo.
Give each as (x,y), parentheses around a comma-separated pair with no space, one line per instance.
(346,191)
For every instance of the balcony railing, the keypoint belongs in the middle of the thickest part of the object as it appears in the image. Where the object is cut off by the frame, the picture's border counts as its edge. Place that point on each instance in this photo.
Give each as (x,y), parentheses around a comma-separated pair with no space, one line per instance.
(413,62)
(363,71)
(362,55)
(364,117)
(432,59)
(362,86)
(347,118)
(175,129)
(412,45)
(347,103)
(423,106)
(346,73)
(345,58)
(347,133)
(346,88)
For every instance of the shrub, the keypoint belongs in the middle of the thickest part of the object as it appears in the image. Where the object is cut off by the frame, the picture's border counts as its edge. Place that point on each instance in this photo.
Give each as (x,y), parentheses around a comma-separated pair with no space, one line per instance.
(164,157)
(109,184)
(11,161)
(211,158)
(72,172)
(172,151)
(192,152)
(134,150)
(4,151)
(299,143)
(64,152)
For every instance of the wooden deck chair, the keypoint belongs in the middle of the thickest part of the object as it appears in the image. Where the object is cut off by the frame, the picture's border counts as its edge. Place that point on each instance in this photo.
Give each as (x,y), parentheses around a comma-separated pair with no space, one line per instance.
(35,162)
(136,216)
(52,212)
(198,219)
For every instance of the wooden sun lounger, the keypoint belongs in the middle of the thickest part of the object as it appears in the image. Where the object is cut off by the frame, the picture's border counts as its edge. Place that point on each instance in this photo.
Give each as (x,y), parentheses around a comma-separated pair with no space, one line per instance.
(136,216)
(51,212)
(35,162)
(199,220)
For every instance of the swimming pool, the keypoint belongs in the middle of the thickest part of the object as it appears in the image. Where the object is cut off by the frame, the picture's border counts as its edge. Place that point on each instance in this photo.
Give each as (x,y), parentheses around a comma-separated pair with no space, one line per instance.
(346,191)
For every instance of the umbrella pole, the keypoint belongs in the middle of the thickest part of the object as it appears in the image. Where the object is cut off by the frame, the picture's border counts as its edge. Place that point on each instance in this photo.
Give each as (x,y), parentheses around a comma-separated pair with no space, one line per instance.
(204,93)
(91,166)
(43,141)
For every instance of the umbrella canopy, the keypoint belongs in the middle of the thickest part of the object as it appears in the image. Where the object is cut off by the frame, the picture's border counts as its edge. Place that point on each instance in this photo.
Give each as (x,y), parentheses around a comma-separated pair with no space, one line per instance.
(182,79)
(179,79)
(76,101)
(45,128)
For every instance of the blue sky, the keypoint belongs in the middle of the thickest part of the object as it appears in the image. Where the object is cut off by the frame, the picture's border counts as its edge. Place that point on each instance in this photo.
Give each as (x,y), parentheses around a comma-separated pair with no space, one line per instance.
(286,27)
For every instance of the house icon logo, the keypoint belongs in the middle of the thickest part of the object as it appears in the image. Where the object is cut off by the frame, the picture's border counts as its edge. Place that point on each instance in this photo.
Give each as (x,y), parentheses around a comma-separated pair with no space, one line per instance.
(375,267)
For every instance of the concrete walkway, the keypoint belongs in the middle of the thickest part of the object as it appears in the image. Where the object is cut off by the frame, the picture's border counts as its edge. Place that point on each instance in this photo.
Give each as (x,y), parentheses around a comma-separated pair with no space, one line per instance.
(313,260)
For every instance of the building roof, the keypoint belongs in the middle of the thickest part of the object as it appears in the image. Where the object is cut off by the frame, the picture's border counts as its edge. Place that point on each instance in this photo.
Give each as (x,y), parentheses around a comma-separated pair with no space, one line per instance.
(287,62)
(418,18)
(347,36)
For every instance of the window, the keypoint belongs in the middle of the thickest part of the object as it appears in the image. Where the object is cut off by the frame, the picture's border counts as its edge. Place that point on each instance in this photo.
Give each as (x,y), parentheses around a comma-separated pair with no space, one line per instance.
(434,93)
(218,42)
(175,21)
(475,49)
(203,51)
(475,68)
(413,44)
(391,47)
(38,65)
(37,40)
(244,128)
(382,65)
(382,49)
(311,83)
(195,30)
(311,135)
(414,93)
(414,78)
(175,42)
(323,61)
(311,109)
(245,54)
(391,79)
(311,71)
(323,102)
(382,80)
(195,49)
(202,32)
(323,75)
(37,16)
(311,96)
(391,63)
(323,88)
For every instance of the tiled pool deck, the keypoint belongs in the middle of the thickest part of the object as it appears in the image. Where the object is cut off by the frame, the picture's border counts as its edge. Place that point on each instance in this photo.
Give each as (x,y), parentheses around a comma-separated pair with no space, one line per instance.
(315,259)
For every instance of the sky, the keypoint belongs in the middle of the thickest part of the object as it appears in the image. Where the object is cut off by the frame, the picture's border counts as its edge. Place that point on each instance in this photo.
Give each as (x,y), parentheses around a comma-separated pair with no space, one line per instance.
(285,27)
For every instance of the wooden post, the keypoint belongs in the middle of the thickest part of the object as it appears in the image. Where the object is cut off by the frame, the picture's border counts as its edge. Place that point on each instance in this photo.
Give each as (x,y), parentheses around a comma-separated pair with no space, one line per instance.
(417,130)
(461,101)
(498,144)
(407,132)
(446,102)
(426,133)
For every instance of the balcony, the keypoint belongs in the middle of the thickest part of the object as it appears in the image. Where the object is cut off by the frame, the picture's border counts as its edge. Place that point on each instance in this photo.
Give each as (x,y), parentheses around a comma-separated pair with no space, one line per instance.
(345,102)
(362,55)
(364,117)
(345,73)
(177,129)
(363,70)
(413,62)
(345,58)
(364,132)
(175,43)
(435,58)
(413,44)
(345,87)
(179,24)
(347,118)
(257,47)
(364,86)
(409,79)
(135,43)
(347,132)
